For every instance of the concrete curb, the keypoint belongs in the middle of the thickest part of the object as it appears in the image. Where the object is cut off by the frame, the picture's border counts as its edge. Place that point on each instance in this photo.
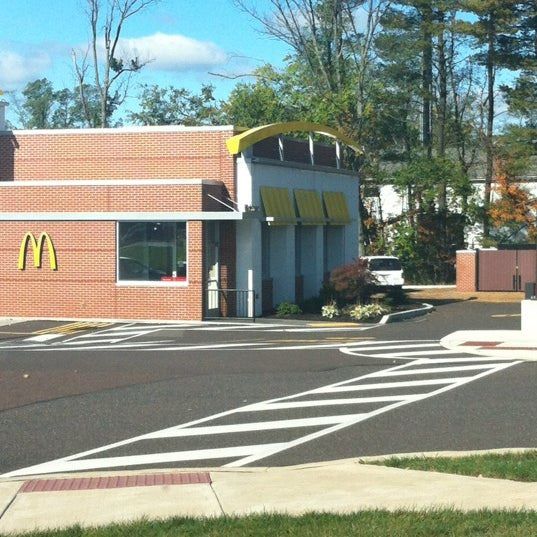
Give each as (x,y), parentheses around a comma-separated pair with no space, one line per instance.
(443,454)
(265,469)
(402,315)
(418,287)
(343,486)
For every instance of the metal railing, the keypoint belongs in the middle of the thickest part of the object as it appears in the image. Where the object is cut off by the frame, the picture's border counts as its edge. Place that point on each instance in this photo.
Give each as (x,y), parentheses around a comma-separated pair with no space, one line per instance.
(236,303)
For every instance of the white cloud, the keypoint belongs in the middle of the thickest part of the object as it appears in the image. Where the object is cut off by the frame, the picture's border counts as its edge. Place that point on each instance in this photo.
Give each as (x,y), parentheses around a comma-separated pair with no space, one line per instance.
(18,68)
(173,52)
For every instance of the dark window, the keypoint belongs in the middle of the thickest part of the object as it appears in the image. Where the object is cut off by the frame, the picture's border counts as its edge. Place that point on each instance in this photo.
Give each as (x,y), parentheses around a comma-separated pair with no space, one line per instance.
(384,264)
(152,251)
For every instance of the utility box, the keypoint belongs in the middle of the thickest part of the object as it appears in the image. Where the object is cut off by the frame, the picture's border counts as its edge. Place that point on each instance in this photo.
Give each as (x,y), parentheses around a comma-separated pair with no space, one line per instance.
(530,291)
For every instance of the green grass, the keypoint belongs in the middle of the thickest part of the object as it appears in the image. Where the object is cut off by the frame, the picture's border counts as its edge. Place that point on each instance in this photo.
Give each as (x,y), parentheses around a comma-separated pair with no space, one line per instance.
(363,524)
(515,466)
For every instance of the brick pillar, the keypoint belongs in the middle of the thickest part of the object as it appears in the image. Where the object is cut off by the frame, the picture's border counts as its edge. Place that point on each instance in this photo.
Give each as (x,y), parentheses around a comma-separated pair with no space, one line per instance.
(195,269)
(227,266)
(466,267)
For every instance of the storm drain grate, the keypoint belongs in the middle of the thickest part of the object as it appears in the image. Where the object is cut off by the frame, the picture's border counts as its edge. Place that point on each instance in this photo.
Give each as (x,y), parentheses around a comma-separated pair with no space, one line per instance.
(115,482)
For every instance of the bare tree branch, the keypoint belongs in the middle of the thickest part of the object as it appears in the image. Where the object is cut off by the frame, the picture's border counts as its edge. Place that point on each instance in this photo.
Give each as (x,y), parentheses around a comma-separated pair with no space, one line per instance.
(109,69)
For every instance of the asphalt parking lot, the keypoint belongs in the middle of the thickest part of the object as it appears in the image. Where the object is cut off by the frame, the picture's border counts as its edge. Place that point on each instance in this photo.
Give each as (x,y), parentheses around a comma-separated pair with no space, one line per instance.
(276,393)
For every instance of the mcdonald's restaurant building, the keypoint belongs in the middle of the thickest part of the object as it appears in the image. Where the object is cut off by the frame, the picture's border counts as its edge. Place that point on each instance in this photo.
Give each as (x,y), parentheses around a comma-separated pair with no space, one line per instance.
(171,222)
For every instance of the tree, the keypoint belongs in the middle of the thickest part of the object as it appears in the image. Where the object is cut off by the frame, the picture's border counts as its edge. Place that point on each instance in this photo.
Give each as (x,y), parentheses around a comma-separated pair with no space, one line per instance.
(110,71)
(334,51)
(177,106)
(494,20)
(35,110)
(40,106)
(519,50)
(513,213)
(271,98)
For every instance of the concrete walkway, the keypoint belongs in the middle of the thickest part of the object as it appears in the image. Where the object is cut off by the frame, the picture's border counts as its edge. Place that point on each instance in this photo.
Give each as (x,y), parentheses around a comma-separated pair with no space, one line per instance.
(502,344)
(341,486)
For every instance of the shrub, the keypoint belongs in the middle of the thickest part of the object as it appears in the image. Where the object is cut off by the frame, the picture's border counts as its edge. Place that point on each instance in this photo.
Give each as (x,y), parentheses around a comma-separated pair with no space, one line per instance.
(361,312)
(353,282)
(330,310)
(395,296)
(312,305)
(287,308)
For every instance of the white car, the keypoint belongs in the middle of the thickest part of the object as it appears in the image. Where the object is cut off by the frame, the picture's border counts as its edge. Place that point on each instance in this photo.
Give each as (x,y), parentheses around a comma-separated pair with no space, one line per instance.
(386,269)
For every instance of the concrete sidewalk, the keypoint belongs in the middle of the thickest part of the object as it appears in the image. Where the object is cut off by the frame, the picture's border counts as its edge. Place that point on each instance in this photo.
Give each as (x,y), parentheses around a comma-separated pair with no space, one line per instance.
(341,486)
(501,344)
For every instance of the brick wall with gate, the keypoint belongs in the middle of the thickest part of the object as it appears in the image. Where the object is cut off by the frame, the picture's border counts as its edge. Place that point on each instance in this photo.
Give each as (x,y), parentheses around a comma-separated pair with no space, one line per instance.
(496,270)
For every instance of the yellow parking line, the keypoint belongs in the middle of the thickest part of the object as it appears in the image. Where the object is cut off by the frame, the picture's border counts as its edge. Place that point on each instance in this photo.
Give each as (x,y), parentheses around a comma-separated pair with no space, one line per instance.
(72,327)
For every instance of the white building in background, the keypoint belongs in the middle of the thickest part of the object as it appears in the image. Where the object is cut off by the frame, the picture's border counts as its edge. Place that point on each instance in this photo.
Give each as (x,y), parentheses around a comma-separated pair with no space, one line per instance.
(386,203)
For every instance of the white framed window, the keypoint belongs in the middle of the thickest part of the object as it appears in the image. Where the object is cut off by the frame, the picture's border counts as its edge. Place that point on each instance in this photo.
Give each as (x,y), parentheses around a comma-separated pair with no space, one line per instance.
(152,253)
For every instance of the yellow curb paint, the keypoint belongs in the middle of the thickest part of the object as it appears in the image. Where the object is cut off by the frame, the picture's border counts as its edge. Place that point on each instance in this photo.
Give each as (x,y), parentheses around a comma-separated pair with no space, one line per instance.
(72,327)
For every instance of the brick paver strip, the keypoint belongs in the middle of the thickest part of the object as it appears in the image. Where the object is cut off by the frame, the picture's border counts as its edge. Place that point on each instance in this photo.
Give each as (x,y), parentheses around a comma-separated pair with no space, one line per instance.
(480,343)
(114,482)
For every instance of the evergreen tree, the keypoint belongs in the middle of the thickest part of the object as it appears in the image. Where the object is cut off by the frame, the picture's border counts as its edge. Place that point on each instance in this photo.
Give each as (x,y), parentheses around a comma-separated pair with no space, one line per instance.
(494,20)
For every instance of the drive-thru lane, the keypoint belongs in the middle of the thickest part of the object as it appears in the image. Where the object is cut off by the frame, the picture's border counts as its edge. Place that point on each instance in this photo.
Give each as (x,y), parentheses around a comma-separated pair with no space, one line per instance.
(280,395)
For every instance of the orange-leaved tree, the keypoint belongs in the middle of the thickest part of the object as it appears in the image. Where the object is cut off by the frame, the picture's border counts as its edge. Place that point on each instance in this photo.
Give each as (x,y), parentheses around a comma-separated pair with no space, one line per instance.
(513,213)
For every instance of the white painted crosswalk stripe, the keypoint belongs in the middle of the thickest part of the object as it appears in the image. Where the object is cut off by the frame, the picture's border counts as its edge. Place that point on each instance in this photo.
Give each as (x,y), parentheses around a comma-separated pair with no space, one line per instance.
(255,426)
(422,353)
(424,371)
(265,417)
(151,458)
(387,385)
(326,402)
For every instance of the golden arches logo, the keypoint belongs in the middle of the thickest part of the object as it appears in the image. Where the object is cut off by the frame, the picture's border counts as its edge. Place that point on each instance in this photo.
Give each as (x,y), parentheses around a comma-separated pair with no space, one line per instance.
(37,248)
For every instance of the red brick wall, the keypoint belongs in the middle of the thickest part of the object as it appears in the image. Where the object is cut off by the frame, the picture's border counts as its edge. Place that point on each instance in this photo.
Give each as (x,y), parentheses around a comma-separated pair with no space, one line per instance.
(84,286)
(73,198)
(466,271)
(117,154)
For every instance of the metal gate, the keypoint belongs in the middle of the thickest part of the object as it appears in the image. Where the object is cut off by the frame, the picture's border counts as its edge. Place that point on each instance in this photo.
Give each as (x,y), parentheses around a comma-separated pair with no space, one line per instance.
(505,270)
(238,303)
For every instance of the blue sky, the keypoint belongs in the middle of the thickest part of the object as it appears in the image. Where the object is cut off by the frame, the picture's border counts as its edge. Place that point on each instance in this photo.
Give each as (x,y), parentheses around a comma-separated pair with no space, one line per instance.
(187,39)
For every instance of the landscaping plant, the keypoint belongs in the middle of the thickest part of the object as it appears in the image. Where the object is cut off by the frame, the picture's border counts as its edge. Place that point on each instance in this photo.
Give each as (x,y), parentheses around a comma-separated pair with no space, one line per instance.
(330,310)
(287,308)
(352,283)
(362,312)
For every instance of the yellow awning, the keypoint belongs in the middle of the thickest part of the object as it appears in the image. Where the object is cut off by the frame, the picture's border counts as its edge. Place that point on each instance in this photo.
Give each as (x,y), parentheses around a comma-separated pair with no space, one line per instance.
(309,206)
(336,208)
(277,205)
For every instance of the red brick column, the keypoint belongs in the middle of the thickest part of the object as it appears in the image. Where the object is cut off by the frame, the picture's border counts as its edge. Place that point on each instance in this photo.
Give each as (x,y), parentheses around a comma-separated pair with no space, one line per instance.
(466,270)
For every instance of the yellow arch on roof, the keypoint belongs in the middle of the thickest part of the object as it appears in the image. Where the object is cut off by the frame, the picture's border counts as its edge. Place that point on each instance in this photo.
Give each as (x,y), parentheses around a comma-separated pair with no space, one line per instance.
(241,141)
